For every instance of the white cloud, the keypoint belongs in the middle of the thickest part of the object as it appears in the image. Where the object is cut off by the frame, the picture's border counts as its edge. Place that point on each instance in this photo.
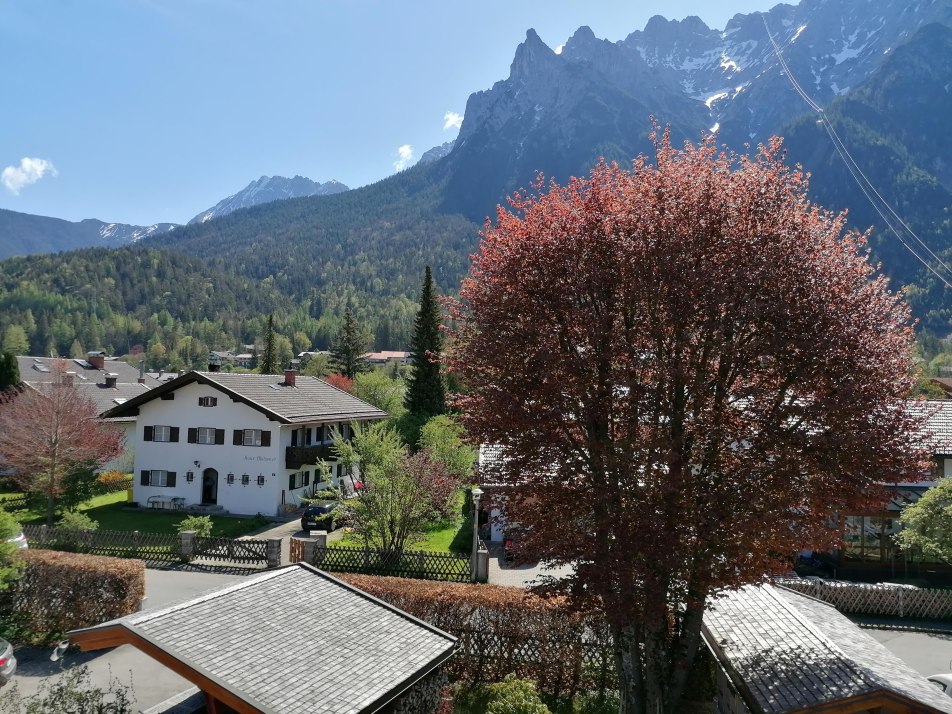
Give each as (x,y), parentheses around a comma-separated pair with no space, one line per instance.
(29,171)
(452,120)
(405,157)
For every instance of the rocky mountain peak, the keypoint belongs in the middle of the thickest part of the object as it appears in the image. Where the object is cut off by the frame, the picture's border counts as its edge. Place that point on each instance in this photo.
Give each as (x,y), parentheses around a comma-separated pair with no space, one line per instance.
(267,189)
(532,56)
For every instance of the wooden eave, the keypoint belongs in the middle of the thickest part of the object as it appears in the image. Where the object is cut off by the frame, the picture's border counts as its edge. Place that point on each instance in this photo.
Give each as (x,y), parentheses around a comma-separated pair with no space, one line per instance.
(117,634)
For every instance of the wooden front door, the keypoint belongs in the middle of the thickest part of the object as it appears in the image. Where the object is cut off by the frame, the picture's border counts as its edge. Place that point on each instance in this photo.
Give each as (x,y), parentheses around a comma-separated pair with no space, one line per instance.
(209,487)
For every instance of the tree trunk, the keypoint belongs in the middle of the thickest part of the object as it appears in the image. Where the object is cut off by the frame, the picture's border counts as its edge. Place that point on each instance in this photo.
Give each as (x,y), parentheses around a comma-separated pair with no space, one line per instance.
(50,509)
(628,667)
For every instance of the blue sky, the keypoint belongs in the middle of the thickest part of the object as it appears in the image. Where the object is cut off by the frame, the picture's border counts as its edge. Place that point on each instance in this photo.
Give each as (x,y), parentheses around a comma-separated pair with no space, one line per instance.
(140,111)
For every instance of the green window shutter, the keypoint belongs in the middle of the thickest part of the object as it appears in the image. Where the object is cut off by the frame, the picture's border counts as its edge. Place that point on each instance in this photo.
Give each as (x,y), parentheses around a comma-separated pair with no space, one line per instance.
(266,438)
(149,432)
(192,435)
(144,478)
(170,478)
(291,482)
(173,433)
(238,438)
(219,436)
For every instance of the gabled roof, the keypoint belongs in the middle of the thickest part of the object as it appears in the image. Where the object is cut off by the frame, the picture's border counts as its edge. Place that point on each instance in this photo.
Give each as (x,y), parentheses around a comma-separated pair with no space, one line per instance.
(788,653)
(40,370)
(939,425)
(293,640)
(310,399)
(105,398)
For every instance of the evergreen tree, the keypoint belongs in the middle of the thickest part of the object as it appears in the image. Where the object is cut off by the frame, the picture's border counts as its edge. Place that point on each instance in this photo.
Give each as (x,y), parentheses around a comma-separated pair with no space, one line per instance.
(425,393)
(350,347)
(269,360)
(9,371)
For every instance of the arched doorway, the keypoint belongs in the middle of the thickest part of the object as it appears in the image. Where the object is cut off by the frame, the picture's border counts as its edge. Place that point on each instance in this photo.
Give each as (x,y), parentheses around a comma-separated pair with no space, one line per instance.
(209,487)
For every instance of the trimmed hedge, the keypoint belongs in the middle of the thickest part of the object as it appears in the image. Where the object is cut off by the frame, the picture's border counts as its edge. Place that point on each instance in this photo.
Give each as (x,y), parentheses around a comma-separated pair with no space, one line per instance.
(59,592)
(504,630)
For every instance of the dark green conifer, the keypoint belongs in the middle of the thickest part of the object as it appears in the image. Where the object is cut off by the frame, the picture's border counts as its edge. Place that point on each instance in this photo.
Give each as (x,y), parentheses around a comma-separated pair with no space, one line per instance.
(426,396)
(269,360)
(348,353)
(9,371)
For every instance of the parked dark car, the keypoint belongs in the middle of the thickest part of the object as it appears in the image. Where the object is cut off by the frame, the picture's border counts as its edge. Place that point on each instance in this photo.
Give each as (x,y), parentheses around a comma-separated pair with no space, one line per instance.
(319,517)
(8,663)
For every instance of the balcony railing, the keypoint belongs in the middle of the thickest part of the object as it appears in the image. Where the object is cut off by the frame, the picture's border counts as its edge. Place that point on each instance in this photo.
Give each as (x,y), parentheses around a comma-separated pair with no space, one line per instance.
(297,456)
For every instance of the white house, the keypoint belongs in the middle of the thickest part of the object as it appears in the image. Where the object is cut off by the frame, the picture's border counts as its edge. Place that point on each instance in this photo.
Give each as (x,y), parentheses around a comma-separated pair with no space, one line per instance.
(241,443)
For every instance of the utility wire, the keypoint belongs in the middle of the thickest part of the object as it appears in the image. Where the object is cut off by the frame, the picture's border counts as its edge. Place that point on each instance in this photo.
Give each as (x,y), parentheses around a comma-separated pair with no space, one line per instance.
(865,185)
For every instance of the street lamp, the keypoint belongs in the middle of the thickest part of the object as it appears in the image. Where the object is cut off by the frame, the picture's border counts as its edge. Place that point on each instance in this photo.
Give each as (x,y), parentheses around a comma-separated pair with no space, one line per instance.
(476,493)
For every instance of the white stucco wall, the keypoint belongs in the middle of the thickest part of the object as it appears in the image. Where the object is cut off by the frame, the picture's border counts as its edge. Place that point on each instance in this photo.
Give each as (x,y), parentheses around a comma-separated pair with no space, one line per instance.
(180,457)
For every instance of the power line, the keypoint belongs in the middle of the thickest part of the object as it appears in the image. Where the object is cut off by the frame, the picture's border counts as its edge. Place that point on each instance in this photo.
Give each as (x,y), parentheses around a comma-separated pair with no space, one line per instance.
(865,185)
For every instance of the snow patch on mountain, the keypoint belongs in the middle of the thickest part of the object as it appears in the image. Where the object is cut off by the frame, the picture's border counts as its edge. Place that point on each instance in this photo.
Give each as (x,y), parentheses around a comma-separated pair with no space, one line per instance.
(267,189)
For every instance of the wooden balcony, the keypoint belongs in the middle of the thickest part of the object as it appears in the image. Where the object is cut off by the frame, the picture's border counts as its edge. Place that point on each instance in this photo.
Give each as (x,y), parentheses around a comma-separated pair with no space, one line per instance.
(297,456)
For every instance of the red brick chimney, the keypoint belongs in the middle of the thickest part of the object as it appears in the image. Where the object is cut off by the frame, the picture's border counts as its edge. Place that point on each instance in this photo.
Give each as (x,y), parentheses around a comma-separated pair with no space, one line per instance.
(96,359)
(289,375)
(111,379)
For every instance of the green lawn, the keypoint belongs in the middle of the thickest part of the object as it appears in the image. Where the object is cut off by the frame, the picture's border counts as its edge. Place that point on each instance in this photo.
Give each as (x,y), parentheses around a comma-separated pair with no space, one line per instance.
(110,512)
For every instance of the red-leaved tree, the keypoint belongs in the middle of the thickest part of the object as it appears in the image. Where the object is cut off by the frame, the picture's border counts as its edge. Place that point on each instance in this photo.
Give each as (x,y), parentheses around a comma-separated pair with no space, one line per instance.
(50,431)
(690,369)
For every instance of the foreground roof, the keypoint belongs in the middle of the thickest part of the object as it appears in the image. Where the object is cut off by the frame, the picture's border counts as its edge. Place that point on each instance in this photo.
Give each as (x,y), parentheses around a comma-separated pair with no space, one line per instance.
(293,640)
(310,399)
(787,652)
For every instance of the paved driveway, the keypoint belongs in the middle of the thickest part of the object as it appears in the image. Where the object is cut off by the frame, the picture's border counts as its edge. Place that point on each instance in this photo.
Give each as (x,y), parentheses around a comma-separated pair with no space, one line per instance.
(517,575)
(153,683)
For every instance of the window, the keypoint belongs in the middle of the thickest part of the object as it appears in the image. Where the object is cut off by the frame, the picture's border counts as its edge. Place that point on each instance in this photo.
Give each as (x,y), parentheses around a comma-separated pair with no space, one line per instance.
(206,435)
(299,480)
(161,433)
(158,477)
(252,437)
(208,401)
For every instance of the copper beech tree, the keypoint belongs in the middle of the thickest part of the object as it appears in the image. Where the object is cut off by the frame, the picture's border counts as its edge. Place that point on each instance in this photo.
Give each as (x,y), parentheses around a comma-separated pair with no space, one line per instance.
(50,431)
(689,369)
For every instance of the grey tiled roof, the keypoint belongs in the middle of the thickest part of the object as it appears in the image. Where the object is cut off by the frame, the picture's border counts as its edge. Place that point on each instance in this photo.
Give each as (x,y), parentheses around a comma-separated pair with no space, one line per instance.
(296,640)
(40,370)
(310,399)
(790,653)
(105,397)
(939,425)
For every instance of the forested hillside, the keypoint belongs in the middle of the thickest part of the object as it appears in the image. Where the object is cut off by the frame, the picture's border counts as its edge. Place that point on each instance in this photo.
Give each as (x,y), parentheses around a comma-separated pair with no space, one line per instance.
(895,126)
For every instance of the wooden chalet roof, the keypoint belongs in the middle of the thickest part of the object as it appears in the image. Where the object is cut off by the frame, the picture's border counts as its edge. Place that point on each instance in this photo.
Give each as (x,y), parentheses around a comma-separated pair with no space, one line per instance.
(789,653)
(310,399)
(291,641)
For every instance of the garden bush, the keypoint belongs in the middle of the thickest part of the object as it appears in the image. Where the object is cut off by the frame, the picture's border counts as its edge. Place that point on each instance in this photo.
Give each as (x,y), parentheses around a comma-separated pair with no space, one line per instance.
(202,525)
(112,481)
(65,591)
(507,631)
(77,521)
(510,696)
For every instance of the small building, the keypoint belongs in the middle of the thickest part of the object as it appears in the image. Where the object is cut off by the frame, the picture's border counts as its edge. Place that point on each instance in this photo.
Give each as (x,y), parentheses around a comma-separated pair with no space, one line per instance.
(240,443)
(291,641)
(389,357)
(780,652)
